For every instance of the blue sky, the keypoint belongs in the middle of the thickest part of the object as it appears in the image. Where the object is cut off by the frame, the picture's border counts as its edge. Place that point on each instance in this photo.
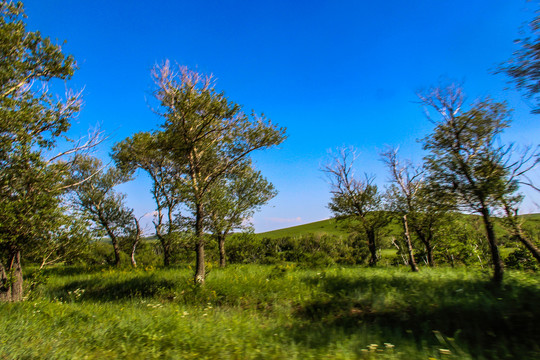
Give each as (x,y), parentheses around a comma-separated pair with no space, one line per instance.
(335,73)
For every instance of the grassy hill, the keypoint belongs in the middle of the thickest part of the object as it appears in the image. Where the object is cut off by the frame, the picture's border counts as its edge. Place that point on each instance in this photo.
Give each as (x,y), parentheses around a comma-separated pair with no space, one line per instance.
(328,226)
(331,227)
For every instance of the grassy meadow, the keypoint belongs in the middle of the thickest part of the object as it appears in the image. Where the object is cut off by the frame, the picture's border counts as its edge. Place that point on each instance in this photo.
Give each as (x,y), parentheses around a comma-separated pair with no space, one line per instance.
(283,311)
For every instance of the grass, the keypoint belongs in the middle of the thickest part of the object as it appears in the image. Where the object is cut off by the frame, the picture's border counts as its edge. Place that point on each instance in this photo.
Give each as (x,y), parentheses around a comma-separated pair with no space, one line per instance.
(275,312)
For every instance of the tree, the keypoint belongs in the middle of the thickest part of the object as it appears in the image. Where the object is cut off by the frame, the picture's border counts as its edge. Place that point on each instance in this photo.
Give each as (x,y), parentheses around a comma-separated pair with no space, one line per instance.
(31,122)
(407,182)
(524,67)
(465,160)
(142,151)
(357,201)
(234,201)
(207,137)
(411,196)
(96,197)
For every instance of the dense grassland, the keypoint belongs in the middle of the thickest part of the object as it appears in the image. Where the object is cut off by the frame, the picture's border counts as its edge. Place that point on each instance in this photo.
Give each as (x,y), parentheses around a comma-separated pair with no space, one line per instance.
(274,312)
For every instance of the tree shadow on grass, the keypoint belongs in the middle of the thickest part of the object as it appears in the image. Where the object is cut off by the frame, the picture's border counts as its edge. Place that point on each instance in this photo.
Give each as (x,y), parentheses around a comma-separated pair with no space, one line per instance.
(106,290)
(469,315)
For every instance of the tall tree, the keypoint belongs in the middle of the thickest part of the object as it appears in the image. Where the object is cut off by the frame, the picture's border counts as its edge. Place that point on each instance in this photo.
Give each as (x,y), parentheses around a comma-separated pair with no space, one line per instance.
(208,137)
(407,182)
(31,122)
(234,201)
(142,151)
(95,196)
(465,159)
(359,202)
(411,197)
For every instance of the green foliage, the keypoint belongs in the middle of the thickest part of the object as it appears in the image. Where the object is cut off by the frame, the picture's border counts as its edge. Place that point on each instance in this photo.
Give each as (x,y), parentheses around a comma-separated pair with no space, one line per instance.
(95,197)
(32,120)
(101,253)
(521,259)
(356,203)
(467,163)
(523,68)
(142,151)
(311,250)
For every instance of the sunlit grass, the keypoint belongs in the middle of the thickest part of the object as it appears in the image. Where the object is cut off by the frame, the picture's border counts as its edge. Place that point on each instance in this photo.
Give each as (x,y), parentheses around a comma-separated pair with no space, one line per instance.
(275,312)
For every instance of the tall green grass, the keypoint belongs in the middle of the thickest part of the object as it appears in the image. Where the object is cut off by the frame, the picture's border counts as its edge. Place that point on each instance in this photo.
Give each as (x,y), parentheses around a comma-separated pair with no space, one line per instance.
(275,312)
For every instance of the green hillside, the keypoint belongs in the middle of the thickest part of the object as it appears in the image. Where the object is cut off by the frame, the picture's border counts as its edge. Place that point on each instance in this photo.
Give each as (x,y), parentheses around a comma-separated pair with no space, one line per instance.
(331,227)
(328,226)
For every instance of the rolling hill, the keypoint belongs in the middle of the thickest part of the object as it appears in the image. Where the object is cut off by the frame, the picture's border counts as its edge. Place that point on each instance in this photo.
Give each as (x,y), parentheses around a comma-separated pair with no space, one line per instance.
(331,227)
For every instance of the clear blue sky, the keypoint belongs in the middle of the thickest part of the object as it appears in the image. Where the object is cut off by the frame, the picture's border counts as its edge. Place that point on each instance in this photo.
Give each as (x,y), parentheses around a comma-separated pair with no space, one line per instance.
(333,72)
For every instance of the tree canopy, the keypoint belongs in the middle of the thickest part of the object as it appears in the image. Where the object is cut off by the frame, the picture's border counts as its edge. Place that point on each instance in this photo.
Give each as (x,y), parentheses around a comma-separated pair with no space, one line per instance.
(31,122)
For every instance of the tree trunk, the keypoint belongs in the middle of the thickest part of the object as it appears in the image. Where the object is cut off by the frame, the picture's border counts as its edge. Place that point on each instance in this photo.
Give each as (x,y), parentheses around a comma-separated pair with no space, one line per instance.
(135,242)
(114,242)
(116,252)
(165,245)
(429,253)
(372,248)
(518,232)
(529,245)
(222,255)
(200,271)
(17,283)
(410,251)
(5,284)
(427,244)
(11,280)
(498,270)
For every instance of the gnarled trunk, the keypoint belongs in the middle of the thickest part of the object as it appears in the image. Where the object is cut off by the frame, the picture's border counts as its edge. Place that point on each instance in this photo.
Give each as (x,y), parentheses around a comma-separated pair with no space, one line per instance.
(114,241)
(11,279)
(498,270)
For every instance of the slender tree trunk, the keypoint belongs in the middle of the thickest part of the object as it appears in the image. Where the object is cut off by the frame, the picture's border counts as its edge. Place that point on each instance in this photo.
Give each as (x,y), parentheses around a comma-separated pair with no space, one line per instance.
(498,270)
(135,242)
(114,241)
(372,248)
(410,251)
(164,240)
(165,245)
(166,253)
(116,248)
(429,253)
(200,270)
(222,255)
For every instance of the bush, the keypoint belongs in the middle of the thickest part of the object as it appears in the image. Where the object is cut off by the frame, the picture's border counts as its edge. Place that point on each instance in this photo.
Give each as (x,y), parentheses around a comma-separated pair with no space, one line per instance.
(521,259)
